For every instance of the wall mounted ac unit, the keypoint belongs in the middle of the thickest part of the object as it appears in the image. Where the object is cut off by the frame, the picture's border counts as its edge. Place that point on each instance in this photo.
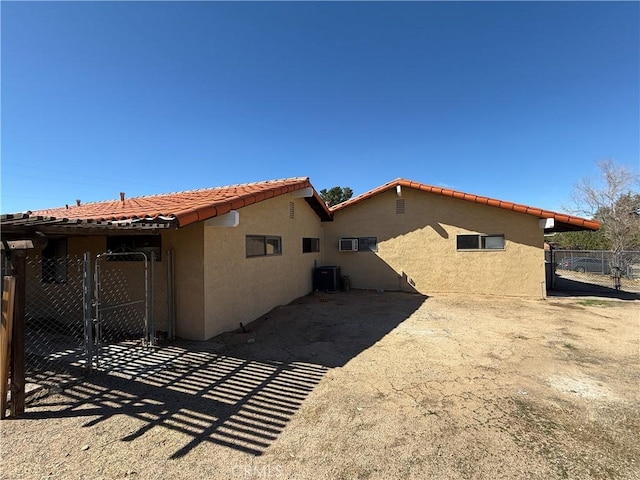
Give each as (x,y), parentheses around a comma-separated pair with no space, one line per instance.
(348,245)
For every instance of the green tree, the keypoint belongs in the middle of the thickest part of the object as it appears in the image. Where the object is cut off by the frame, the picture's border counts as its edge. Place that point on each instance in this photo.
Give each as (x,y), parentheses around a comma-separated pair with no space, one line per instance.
(583,240)
(336,195)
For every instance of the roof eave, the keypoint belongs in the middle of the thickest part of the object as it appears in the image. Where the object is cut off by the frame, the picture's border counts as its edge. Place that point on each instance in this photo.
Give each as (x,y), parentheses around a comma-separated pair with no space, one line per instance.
(27,224)
(561,227)
(193,215)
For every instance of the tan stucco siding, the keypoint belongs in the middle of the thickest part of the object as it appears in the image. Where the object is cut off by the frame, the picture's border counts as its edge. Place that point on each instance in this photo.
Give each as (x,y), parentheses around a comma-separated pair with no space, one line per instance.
(240,289)
(92,244)
(187,245)
(421,245)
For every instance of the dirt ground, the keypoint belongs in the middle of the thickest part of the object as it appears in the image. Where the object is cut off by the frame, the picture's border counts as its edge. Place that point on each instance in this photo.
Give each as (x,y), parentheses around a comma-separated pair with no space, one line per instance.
(358,385)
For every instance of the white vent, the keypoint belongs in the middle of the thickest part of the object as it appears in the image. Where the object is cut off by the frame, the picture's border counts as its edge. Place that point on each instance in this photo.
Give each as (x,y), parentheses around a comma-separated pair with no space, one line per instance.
(348,245)
(292,210)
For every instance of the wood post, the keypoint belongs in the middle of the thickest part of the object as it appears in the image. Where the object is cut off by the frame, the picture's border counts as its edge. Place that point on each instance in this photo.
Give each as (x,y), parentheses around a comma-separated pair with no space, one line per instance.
(8,299)
(19,262)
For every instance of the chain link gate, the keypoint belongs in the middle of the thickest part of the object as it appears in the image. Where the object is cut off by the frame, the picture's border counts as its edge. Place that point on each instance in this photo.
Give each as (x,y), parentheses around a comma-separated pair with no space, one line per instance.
(123,303)
(83,313)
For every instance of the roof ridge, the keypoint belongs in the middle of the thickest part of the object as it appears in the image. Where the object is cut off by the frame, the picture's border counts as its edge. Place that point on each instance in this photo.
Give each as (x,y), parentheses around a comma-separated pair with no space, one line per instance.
(205,189)
(178,192)
(246,184)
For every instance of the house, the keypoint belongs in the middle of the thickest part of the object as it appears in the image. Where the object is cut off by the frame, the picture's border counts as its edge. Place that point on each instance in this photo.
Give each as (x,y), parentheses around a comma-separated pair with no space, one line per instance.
(417,237)
(238,251)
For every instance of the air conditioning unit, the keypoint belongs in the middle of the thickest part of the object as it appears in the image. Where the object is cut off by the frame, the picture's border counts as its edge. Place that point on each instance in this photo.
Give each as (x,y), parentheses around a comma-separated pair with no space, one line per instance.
(348,245)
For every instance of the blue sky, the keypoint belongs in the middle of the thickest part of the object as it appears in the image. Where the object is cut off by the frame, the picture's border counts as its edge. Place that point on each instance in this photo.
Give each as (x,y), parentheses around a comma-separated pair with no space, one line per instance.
(513,100)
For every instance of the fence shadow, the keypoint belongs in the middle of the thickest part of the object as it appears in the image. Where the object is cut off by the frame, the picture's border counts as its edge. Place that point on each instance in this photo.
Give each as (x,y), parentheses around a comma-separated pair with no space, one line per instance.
(239,390)
(566,287)
(234,402)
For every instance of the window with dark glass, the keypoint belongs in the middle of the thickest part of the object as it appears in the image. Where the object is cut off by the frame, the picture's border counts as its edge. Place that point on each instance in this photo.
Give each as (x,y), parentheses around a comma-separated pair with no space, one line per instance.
(480,242)
(367,244)
(310,245)
(147,244)
(54,261)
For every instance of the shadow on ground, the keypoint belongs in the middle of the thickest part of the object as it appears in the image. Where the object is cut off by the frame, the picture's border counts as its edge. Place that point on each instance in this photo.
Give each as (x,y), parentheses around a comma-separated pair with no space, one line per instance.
(240,389)
(567,287)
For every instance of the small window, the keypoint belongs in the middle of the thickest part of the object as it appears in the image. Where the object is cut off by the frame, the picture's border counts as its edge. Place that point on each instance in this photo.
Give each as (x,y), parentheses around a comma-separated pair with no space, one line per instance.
(310,245)
(368,244)
(255,246)
(263,245)
(492,242)
(54,261)
(480,242)
(147,244)
(468,242)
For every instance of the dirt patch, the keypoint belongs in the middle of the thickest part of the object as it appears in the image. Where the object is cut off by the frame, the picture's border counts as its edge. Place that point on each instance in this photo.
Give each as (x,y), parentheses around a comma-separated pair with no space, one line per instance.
(582,387)
(359,385)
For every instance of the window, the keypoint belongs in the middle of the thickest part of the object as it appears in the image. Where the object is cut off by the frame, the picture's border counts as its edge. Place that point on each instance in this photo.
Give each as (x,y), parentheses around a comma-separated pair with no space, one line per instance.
(480,242)
(492,242)
(146,244)
(263,245)
(368,244)
(54,261)
(310,245)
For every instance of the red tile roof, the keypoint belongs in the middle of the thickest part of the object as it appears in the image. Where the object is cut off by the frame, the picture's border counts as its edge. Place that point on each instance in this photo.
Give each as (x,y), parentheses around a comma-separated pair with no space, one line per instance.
(188,207)
(184,208)
(563,221)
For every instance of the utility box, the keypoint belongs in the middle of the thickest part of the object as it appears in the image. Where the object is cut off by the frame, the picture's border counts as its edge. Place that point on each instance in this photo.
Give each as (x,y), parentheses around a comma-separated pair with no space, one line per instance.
(326,279)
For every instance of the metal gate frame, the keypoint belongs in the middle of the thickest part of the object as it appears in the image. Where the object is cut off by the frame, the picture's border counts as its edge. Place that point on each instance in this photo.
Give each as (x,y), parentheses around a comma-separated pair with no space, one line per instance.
(94,326)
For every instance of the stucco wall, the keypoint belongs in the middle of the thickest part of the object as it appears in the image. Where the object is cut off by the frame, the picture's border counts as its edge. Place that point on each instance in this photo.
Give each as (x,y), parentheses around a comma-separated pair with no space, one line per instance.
(187,244)
(421,245)
(240,289)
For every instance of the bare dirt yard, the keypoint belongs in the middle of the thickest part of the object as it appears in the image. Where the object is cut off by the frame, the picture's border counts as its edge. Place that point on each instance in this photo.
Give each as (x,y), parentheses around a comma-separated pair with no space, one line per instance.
(358,385)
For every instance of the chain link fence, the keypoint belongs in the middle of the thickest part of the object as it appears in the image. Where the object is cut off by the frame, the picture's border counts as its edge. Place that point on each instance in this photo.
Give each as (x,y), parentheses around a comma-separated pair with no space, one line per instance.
(83,313)
(54,320)
(588,270)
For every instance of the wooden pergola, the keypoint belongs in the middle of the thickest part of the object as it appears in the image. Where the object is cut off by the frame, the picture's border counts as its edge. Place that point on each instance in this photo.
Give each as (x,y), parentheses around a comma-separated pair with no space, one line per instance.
(21,232)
